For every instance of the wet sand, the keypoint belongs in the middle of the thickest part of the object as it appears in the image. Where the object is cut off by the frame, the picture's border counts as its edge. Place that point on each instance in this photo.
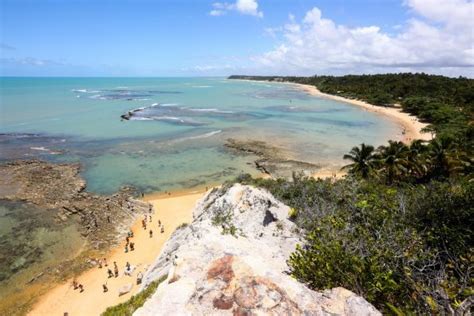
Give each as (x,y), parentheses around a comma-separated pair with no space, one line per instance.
(172,210)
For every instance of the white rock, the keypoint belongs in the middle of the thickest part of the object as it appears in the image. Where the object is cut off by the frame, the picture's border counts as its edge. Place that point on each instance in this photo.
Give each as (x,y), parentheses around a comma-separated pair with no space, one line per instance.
(211,273)
(125,289)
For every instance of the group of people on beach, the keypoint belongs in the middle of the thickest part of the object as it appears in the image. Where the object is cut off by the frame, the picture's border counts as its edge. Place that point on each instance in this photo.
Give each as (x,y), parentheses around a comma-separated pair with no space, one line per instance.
(129,246)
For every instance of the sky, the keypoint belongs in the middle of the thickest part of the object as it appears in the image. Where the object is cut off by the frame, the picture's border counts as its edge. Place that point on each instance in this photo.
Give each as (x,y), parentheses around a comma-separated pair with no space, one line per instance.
(219,38)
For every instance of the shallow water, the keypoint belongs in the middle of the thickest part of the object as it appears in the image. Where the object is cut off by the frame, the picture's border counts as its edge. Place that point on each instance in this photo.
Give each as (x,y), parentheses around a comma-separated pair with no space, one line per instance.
(174,138)
(30,242)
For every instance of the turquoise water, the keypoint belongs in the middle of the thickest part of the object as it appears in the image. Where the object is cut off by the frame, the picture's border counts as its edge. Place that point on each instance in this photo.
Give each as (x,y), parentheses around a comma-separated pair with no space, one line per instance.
(176,140)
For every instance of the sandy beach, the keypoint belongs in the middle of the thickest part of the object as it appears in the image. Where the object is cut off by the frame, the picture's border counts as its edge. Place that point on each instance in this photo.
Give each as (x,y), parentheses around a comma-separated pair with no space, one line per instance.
(411,125)
(172,209)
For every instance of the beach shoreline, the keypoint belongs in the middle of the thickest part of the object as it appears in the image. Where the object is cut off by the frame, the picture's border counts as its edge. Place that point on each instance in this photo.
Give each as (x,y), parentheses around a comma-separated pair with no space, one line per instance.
(412,126)
(178,205)
(172,210)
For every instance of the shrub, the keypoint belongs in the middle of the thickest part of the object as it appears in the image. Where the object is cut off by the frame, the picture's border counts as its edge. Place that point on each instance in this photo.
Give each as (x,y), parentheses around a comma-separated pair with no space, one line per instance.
(136,301)
(406,249)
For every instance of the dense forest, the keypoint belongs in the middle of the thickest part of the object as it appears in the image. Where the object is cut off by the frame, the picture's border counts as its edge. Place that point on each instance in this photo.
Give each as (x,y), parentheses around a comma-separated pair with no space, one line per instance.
(398,229)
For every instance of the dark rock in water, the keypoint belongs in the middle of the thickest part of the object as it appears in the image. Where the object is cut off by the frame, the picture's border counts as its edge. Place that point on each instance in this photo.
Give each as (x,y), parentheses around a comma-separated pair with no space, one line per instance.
(20,145)
(272,160)
(50,224)
(59,188)
(180,115)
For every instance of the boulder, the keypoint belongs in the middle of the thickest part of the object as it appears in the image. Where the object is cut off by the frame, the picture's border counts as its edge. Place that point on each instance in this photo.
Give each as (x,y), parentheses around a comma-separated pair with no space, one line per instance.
(231,260)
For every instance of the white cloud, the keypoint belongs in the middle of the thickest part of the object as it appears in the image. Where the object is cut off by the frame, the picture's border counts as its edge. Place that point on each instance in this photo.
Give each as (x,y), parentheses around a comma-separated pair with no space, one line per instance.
(248,7)
(453,13)
(217,12)
(440,39)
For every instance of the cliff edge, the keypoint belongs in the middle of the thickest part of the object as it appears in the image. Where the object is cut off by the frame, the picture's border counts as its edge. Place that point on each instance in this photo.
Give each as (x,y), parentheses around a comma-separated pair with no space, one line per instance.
(231,260)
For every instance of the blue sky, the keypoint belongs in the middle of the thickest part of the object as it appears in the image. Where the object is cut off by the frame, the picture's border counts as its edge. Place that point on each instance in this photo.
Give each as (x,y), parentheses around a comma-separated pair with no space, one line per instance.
(182,38)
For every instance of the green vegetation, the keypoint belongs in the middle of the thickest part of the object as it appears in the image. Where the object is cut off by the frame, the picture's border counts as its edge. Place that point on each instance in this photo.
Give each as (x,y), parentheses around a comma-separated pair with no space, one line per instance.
(129,307)
(446,103)
(398,230)
(224,220)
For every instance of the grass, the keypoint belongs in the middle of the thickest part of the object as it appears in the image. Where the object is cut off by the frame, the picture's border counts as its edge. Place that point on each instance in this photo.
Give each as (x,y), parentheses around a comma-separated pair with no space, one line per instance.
(135,302)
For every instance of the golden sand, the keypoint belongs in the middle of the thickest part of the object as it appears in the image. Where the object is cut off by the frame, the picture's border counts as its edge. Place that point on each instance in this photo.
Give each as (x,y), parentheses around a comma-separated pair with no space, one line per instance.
(172,210)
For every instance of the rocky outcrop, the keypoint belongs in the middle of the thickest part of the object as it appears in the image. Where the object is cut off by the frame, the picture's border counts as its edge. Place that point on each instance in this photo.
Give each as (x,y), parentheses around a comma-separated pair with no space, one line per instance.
(231,260)
(272,160)
(59,188)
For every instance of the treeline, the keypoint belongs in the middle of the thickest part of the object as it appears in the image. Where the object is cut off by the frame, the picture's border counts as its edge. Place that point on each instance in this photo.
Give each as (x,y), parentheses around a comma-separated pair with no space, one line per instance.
(446,103)
(398,229)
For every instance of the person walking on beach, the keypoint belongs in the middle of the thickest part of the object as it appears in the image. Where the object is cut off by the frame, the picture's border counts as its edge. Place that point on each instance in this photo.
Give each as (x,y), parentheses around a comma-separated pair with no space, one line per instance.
(75,285)
(162,229)
(116,272)
(105,262)
(104,286)
(100,264)
(127,266)
(110,273)
(151,233)
(159,223)
(126,248)
(132,246)
(150,218)
(81,288)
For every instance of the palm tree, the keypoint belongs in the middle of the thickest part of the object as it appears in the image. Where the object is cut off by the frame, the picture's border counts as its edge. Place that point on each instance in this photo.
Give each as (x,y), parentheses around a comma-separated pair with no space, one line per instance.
(440,155)
(417,162)
(363,160)
(393,159)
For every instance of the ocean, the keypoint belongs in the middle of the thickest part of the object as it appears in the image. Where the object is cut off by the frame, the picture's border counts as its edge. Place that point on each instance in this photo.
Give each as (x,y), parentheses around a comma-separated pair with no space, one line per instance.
(156,134)
(174,128)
